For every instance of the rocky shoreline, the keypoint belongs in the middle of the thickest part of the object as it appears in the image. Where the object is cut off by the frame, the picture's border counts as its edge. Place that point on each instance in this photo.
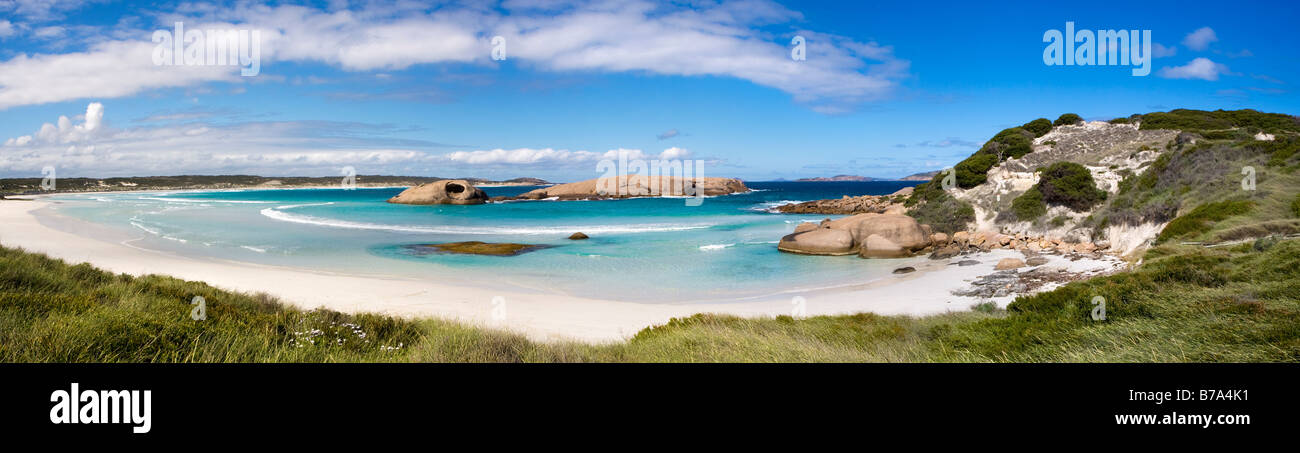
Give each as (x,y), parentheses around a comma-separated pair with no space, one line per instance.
(864,204)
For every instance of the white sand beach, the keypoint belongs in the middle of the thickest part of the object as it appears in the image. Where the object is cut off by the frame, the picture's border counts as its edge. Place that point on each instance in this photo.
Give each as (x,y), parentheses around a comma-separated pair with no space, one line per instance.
(544,317)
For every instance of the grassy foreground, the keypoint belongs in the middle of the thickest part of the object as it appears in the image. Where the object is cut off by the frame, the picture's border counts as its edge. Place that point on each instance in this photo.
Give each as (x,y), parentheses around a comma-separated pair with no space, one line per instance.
(1186,303)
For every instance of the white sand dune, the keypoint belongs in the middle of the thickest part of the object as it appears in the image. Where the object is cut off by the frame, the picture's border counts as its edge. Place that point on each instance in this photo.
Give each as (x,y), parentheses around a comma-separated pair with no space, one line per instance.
(545,317)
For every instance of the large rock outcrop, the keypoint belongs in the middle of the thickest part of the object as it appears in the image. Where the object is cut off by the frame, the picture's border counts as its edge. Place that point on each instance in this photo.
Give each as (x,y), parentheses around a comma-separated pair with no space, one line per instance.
(638,186)
(819,241)
(450,191)
(869,235)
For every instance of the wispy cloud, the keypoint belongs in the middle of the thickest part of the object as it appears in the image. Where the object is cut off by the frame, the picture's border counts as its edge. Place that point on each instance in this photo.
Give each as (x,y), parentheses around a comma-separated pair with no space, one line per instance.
(732,39)
(667,134)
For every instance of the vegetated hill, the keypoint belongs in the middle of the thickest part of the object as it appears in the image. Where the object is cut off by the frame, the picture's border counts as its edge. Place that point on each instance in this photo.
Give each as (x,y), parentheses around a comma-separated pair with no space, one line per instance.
(1142,172)
(926,176)
(838,178)
(203,182)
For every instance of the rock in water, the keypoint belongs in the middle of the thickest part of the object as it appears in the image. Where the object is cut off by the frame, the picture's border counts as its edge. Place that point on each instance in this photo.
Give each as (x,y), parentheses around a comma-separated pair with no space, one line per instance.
(451,191)
(821,241)
(638,186)
(578,236)
(479,248)
(1009,263)
(905,270)
(1036,261)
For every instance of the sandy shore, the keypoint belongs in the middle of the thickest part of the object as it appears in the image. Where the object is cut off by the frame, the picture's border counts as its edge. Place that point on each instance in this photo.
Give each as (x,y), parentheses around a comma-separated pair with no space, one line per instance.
(544,317)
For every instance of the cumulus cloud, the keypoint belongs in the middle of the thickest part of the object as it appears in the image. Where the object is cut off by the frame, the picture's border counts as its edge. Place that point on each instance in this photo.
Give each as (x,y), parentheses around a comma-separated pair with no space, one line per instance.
(6,29)
(106,70)
(1200,39)
(732,39)
(1200,68)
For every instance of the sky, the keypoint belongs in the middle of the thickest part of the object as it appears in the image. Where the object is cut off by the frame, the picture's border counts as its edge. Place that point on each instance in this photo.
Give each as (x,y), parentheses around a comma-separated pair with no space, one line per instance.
(544,88)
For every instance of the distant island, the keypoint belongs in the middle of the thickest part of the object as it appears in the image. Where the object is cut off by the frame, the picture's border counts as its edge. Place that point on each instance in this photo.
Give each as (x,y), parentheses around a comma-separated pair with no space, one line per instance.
(26,186)
(921,176)
(838,178)
(916,177)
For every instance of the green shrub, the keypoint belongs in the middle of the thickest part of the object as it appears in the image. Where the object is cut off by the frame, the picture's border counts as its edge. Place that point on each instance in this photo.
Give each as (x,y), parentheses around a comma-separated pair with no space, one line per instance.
(1029,206)
(1071,185)
(944,213)
(975,169)
(1295,206)
(1038,127)
(1067,119)
(1198,220)
(1201,120)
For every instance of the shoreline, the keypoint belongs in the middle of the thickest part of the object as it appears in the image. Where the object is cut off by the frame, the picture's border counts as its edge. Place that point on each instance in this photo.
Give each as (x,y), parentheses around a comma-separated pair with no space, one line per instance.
(540,316)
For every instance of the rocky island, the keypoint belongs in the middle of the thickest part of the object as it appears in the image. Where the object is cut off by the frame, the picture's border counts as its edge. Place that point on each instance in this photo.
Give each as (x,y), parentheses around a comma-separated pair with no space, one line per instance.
(636,186)
(452,191)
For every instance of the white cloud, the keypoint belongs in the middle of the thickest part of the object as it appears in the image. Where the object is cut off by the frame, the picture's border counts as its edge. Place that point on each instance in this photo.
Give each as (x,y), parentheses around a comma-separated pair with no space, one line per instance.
(731,40)
(6,29)
(107,70)
(1200,39)
(284,147)
(50,32)
(1200,68)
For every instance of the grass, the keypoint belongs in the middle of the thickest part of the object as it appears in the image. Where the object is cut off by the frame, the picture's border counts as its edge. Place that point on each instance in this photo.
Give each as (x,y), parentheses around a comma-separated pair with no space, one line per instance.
(1200,218)
(1185,304)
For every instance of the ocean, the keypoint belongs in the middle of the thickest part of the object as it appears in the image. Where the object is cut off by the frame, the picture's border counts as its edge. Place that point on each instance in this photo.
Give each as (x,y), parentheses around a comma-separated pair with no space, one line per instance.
(643,250)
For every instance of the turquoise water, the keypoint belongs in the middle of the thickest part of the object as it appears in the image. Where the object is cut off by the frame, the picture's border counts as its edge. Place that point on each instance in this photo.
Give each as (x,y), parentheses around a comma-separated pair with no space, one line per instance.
(649,249)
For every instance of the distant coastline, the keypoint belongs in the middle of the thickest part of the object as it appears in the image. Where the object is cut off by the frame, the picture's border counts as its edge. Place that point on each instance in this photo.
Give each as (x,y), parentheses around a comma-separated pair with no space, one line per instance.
(926,176)
(32,186)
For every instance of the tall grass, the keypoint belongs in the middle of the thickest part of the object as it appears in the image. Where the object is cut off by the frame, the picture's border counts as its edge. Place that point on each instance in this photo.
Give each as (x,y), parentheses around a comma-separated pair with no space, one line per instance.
(1186,304)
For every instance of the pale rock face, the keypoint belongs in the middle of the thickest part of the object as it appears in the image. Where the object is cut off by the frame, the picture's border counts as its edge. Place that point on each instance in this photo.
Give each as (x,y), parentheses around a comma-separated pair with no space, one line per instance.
(877,246)
(805,226)
(898,229)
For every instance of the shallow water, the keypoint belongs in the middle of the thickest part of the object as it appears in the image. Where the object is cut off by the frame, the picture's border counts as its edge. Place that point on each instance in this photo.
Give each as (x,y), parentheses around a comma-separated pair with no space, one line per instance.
(649,249)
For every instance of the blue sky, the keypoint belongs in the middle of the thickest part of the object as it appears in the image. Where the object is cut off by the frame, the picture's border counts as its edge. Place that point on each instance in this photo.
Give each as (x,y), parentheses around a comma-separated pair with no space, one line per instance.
(886,90)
